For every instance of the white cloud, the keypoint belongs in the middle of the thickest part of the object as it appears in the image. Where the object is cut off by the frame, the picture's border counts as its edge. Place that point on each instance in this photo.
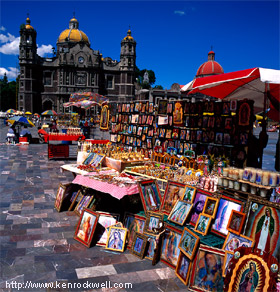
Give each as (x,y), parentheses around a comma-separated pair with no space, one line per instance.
(10,48)
(2,28)
(11,73)
(8,38)
(44,49)
(179,12)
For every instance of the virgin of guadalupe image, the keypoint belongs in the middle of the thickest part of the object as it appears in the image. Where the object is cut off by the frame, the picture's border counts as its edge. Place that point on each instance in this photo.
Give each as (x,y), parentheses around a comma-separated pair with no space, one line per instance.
(264,231)
(150,195)
(170,247)
(249,279)
(179,214)
(116,241)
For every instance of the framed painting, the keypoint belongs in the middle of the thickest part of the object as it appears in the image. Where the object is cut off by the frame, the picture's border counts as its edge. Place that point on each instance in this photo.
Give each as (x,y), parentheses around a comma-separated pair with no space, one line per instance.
(168,134)
(234,241)
(150,120)
(236,222)
(178,114)
(207,272)
(83,203)
(104,117)
(226,107)
(180,212)
(139,245)
(198,205)
(153,247)
(169,248)
(134,119)
(154,221)
(137,106)
(211,206)
(263,225)
(86,227)
(170,121)
(162,120)
(97,160)
(151,107)
(133,223)
(225,206)
(244,113)
(162,106)
(189,194)
(75,199)
(174,191)
(59,197)
(219,138)
(116,238)
(228,256)
(71,191)
(105,220)
(169,108)
(150,195)
(183,268)
(203,224)
(189,243)
(89,158)
(186,107)
(161,132)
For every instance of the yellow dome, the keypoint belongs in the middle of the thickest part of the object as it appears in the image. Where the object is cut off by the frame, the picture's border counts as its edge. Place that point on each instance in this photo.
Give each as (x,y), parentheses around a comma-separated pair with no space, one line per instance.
(28,26)
(128,37)
(73,35)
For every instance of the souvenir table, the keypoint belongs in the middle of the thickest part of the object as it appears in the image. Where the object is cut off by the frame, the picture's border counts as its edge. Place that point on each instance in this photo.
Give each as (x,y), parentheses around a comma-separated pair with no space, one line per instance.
(74,169)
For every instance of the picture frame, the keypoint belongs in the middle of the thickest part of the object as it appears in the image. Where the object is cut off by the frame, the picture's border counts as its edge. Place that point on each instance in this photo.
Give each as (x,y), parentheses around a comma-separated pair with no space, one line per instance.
(116,238)
(162,120)
(219,138)
(104,117)
(236,222)
(180,212)
(86,227)
(189,194)
(183,268)
(175,133)
(153,248)
(244,113)
(151,107)
(169,246)
(226,107)
(227,139)
(161,132)
(225,206)
(243,138)
(75,199)
(139,245)
(60,195)
(105,220)
(228,124)
(89,159)
(139,131)
(174,191)
(182,134)
(168,133)
(153,221)
(97,160)
(150,195)
(186,107)
(206,272)
(233,105)
(178,113)
(234,241)
(150,120)
(169,108)
(170,121)
(134,119)
(162,106)
(259,213)
(133,223)
(82,204)
(189,243)
(228,256)
(136,107)
(211,206)
(203,224)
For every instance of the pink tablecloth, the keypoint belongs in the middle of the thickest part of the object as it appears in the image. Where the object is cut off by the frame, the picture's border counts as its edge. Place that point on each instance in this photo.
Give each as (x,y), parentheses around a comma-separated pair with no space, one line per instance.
(113,190)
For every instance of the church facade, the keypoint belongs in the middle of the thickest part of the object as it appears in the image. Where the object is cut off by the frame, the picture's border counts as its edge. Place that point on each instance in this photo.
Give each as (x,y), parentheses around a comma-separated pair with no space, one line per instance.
(46,83)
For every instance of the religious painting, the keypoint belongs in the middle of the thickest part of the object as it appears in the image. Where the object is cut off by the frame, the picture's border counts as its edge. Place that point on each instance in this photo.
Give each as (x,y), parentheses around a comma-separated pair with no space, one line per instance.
(236,222)
(75,199)
(89,158)
(151,107)
(150,120)
(183,268)
(139,131)
(116,238)
(169,108)
(83,203)
(161,132)
(207,269)
(154,221)
(186,107)
(134,119)
(104,117)
(251,272)
(243,138)
(189,243)
(211,122)
(162,120)
(137,106)
(219,138)
(133,223)
(174,191)
(59,197)
(198,205)
(263,225)
(86,227)
(150,195)
(105,220)
(139,245)
(226,205)
(153,248)
(218,122)
(168,134)
(170,121)
(211,207)
(178,114)
(228,123)
(162,106)
(226,107)
(203,224)
(189,194)
(175,133)
(234,241)
(233,105)
(180,212)
(244,113)
(97,159)
(227,139)
(169,249)
(205,122)
(228,256)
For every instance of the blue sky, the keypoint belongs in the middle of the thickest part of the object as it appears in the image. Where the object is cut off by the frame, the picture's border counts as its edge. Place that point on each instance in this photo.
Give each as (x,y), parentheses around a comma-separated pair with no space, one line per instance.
(173,37)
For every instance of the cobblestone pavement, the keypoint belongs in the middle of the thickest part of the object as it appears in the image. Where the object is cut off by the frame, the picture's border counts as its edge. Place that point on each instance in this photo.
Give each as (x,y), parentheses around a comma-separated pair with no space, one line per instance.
(37,244)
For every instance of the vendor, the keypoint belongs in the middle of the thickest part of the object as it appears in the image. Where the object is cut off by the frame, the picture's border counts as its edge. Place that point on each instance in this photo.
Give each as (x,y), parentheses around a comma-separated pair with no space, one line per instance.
(42,134)
(11,137)
(26,133)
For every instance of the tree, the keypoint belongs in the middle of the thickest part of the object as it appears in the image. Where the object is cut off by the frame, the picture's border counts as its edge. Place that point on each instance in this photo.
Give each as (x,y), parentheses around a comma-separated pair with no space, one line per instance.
(140,76)
(158,87)
(7,93)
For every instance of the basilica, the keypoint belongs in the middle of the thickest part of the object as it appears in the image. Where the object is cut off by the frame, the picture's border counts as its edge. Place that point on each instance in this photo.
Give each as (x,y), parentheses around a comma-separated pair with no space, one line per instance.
(46,83)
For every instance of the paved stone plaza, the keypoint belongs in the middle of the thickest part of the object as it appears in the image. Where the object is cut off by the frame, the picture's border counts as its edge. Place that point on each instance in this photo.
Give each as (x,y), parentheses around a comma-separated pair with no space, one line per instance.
(37,244)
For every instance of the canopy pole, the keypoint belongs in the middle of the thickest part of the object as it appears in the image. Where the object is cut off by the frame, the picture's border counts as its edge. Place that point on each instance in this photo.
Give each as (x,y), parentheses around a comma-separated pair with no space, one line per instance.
(263,137)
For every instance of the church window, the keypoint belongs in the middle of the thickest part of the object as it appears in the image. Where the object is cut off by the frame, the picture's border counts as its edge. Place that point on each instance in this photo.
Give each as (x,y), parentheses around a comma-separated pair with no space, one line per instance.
(47,78)
(109,81)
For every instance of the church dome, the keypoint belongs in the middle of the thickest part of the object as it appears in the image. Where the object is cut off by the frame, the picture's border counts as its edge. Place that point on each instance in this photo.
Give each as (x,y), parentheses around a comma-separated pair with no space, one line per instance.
(28,26)
(128,37)
(73,34)
(211,67)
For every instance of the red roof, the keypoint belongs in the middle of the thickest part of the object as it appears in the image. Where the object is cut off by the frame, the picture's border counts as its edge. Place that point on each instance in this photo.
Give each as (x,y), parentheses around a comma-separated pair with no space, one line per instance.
(210,68)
